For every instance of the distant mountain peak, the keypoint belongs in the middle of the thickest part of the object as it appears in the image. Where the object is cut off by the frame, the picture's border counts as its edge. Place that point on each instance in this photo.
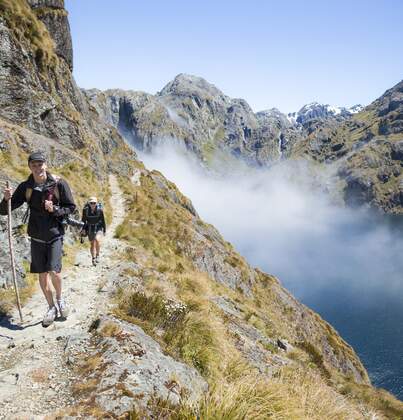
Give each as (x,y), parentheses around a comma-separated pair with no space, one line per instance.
(315,110)
(187,84)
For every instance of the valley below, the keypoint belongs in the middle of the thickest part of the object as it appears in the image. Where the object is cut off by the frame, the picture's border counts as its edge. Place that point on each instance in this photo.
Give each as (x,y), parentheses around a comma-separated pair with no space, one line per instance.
(343,263)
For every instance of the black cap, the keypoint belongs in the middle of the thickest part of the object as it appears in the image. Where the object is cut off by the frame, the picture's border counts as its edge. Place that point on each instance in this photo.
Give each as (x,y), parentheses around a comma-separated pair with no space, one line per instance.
(38,156)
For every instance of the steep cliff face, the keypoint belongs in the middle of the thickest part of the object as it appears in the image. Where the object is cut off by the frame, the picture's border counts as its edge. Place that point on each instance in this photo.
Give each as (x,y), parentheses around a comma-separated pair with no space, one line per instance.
(55,17)
(37,89)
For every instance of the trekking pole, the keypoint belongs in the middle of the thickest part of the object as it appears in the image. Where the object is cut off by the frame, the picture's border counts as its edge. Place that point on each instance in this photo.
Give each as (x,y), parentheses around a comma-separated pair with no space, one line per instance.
(10,242)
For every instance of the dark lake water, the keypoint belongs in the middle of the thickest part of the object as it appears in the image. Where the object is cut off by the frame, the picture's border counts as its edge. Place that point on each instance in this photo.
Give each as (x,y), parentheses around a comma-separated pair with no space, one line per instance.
(353,277)
(346,265)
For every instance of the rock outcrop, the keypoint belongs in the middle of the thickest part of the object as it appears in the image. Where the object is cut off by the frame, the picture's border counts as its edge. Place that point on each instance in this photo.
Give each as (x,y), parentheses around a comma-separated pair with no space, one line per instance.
(131,368)
(55,17)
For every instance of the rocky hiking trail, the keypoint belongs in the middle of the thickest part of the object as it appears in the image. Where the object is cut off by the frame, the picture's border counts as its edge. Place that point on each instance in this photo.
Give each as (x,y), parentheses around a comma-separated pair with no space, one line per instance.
(35,376)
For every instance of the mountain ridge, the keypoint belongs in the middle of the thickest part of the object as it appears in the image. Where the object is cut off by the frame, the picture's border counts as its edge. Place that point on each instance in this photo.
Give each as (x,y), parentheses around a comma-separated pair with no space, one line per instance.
(195,113)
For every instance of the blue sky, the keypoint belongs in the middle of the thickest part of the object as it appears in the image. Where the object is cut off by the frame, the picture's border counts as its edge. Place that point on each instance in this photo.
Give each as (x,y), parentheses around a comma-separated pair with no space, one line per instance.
(280,54)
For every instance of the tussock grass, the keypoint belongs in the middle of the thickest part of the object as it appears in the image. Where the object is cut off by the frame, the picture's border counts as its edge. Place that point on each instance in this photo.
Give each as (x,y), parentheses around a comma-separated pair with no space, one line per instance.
(292,395)
(378,399)
(195,343)
(156,310)
(190,331)
(186,334)
(82,389)
(315,356)
(110,329)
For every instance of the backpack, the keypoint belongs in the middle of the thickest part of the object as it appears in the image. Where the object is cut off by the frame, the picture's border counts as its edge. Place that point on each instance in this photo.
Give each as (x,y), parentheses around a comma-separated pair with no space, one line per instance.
(28,194)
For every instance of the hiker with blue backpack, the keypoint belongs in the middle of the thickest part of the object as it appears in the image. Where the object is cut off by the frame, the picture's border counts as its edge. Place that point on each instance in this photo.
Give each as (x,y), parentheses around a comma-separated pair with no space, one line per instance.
(94,226)
(50,203)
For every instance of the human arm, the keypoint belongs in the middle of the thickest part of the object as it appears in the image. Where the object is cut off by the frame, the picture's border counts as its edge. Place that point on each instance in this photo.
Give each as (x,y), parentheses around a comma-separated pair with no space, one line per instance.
(66,204)
(103,224)
(17,199)
(84,220)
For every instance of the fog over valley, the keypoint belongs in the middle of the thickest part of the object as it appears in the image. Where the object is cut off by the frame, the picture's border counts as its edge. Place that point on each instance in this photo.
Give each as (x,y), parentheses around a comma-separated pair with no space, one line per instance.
(344,263)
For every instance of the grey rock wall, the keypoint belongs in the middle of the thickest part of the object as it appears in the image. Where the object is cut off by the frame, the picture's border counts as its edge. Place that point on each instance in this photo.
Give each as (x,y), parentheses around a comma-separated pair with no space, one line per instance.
(53,14)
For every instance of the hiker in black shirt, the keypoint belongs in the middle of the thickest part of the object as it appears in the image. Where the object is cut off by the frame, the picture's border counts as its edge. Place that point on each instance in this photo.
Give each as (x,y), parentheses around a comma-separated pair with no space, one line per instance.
(93,217)
(49,200)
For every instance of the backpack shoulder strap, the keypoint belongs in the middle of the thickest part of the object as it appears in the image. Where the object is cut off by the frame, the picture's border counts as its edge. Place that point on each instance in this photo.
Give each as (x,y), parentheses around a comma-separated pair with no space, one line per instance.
(28,194)
(28,191)
(56,191)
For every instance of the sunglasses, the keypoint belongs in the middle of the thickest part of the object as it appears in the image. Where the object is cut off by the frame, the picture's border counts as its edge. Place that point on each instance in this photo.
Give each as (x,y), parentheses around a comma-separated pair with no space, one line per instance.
(93,202)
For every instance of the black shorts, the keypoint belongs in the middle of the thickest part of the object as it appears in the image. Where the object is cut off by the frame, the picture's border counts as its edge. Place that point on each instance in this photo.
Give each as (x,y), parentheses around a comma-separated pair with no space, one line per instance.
(92,233)
(46,257)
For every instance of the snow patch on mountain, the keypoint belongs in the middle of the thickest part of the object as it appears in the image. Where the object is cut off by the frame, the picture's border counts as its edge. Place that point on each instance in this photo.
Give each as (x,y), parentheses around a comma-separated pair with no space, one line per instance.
(315,110)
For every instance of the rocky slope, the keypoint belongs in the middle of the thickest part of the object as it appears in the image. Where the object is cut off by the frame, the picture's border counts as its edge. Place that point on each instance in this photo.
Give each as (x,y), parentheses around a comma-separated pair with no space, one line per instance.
(196,300)
(45,373)
(365,152)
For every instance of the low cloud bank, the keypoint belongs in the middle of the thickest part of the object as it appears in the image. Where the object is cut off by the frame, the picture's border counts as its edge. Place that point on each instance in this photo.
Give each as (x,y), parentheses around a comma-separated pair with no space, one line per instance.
(345,264)
(280,223)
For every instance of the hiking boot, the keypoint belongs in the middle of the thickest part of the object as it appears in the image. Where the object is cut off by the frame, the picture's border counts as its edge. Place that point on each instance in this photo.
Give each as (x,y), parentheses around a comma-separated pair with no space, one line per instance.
(94,261)
(97,259)
(49,316)
(63,308)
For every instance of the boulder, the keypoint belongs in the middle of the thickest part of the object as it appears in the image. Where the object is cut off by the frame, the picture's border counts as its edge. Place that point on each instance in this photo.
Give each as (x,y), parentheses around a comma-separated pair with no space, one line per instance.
(132,369)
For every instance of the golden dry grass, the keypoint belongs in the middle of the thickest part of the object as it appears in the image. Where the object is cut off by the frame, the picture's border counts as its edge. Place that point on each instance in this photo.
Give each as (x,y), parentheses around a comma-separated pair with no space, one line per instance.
(245,395)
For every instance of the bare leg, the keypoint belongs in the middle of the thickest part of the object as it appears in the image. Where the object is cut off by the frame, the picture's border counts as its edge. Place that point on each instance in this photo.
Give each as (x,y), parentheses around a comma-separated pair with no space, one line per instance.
(93,248)
(57,283)
(97,246)
(45,286)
